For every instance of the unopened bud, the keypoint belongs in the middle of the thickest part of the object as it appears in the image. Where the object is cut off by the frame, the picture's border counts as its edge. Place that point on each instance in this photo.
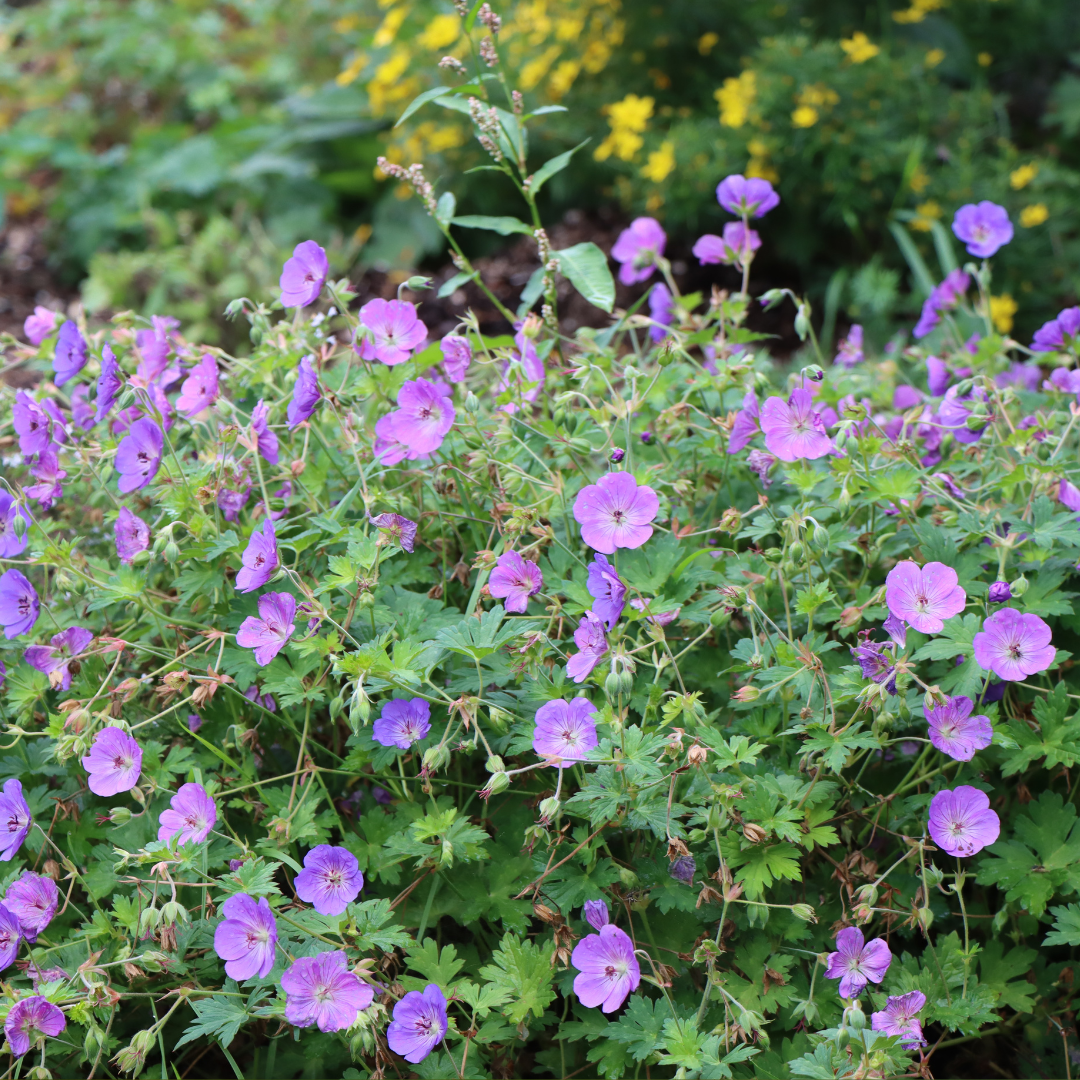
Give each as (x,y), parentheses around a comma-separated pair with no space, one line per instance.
(730,521)
(495,764)
(435,757)
(934,697)
(1019,586)
(804,912)
(472,403)
(821,538)
(119,815)
(854,1017)
(550,808)
(499,782)
(171,552)
(628,878)
(18,525)
(297,467)
(747,693)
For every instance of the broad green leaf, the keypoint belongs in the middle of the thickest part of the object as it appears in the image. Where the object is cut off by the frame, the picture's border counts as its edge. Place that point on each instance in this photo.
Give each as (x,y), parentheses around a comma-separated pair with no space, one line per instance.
(435,94)
(553,166)
(525,970)
(587,268)
(504,226)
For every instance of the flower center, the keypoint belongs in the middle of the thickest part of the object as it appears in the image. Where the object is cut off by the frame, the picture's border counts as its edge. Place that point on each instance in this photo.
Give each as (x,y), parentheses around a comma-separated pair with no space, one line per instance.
(1014,650)
(423,1025)
(122,761)
(24,605)
(322,993)
(14,823)
(335,878)
(570,737)
(618,516)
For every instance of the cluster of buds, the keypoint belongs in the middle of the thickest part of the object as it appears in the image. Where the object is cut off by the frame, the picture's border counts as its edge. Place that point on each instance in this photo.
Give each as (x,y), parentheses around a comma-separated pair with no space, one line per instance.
(414,177)
(488,53)
(489,19)
(453,63)
(487,123)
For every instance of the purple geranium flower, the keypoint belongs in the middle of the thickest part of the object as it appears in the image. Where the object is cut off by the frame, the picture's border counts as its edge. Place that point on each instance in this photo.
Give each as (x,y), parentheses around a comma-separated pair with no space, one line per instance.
(515,579)
(955,411)
(761,463)
(857,961)
(744,197)
(423,417)
(924,597)
(265,700)
(394,331)
(896,629)
(19,604)
(10,936)
(906,397)
(11,543)
(114,762)
(153,367)
(331,879)
(70,355)
(900,1017)
(876,660)
(322,990)
(849,353)
(658,618)
(937,376)
(747,424)
(82,412)
(268,633)
(565,731)
(525,362)
(399,529)
(419,1024)
(943,297)
(33,900)
(387,447)
(305,395)
(138,457)
(200,389)
(1058,334)
(109,382)
(31,1019)
(32,423)
(402,722)
(247,937)
(53,659)
(589,637)
(1014,646)
(15,819)
(616,512)
(39,325)
(638,249)
(661,310)
(230,503)
(793,429)
(46,470)
(999,592)
(1069,496)
(984,227)
(191,815)
(304,275)
(961,822)
(596,914)
(1064,379)
(607,589)
(260,559)
(132,535)
(954,731)
(267,440)
(59,428)
(609,971)
(735,247)
(457,355)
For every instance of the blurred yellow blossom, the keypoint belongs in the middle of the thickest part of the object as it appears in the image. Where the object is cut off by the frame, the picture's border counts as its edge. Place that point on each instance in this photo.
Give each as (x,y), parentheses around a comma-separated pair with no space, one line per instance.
(926,214)
(859,48)
(535,70)
(934,57)
(443,30)
(627,118)
(758,166)
(661,163)
(1033,215)
(919,181)
(804,116)
(984,59)
(390,26)
(708,42)
(1020,178)
(810,101)
(387,85)
(918,11)
(346,23)
(735,98)
(352,72)
(562,78)
(1002,310)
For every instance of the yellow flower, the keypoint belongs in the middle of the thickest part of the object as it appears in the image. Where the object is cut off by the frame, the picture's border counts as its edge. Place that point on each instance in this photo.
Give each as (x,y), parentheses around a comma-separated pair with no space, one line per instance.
(1033,215)
(535,70)
(654,202)
(984,59)
(346,23)
(927,213)
(1020,178)
(443,30)
(569,29)
(735,98)
(627,118)
(707,42)
(351,73)
(804,116)
(934,57)
(859,48)
(562,78)
(918,11)
(762,170)
(390,26)
(817,95)
(919,181)
(387,85)
(661,163)
(1002,310)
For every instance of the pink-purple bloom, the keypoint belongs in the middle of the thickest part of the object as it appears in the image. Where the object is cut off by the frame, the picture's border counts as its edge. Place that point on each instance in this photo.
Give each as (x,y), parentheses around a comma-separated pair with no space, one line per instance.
(596,914)
(15,819)
(114,762)
(954,731)
(138,457)
(260,425)
(609,970)
(82,412)
(1058,334)
(39,325)
(638,249)
(70,355)
(399,529)
(31,1019)
(402,722)
(944,297)
(33,900)
(746,197)
(457,355)
(661,310)
(747,424)
(735,247)
(230,502)
(961,822)
(616,512)
(10,936)
(857,961)
(387,447)
(525,372)
(19,604)
(54,659)
(132,535)
(592,642)
(607,590)
(32,423)
(11,543)
(304,275)
(565,731)
(260,559)
(394,331)
(794,429)
(268,633)
(849,353)
(322,990)
(924,597)
(1069,496)
(999,592)
(423,417)
(46,470)
(246,938)
(331,879)
(191,815)
(657,618)
(200,389)
(109,382)
(984,227)
(515,579)
(901,1017)
(305,395)
(1014,646)
(876,659)
(419,1024)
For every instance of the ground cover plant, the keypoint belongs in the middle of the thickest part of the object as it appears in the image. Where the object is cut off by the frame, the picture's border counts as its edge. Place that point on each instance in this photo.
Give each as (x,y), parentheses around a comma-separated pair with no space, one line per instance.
(622,703)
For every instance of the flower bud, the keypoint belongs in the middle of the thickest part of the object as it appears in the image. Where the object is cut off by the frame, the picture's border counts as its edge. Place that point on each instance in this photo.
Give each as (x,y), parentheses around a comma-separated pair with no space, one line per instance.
(126,399)
(934,697)
(39,1072)
(1019,586)
(613,683)
(730,521)
(435,757)
(747,693)
(171,552)
(804,912)
(999,592)
(472,403)
(18,525)
(617,454)
(854,1017)
(161,540)
(141,557)
(550,808)
(795,552)
(499,782)
(820,538)
(119,815)
(495,764)
(628,878)
(665,355)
